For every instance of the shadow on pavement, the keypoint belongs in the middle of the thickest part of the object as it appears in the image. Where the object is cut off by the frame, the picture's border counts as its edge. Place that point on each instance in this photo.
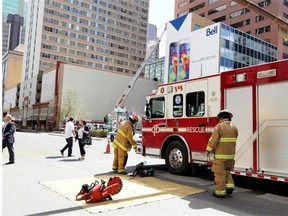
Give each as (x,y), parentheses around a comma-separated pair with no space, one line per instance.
(54,157)
(57,211)
(70,160)
(5,164)
(63,158)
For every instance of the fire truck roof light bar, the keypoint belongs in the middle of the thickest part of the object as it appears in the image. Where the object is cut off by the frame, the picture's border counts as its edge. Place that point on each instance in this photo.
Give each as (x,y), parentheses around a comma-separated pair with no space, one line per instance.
(169,89)
(240,77)
(266,73)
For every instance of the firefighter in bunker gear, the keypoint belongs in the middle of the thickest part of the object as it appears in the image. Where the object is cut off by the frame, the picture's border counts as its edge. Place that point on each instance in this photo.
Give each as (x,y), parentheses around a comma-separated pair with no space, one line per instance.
(123,143)
(223,144)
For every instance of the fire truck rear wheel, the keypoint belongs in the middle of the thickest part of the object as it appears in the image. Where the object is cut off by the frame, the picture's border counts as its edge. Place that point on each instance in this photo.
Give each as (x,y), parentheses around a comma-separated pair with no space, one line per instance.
(176,158)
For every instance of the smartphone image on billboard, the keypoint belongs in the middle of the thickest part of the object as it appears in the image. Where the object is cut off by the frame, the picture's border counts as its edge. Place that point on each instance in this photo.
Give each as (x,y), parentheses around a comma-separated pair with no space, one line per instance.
(184,60)
(173,62)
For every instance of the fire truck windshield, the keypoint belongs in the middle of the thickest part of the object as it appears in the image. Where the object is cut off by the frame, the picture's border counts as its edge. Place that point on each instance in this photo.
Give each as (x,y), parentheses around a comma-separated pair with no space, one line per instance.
(155,108)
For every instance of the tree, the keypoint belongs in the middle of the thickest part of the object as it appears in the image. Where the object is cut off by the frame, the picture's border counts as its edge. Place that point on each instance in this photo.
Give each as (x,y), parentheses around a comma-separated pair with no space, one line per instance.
(71,105)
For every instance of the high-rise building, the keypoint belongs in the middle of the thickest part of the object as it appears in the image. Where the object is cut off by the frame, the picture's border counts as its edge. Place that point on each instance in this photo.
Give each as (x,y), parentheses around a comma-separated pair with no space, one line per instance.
(12,24)
(150,46)
(106,35)
(13,32)
(109,35)
(17,32)
(152,32)
(247,20)
(151,42)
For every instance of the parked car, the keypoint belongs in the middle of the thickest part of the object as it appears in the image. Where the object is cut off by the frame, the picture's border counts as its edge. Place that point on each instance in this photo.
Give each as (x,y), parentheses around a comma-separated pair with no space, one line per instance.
(90,126)
(100,126)
(137,136)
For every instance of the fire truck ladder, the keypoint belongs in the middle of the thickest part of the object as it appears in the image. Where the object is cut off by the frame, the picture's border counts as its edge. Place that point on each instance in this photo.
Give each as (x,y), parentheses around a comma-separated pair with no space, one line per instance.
(137,74)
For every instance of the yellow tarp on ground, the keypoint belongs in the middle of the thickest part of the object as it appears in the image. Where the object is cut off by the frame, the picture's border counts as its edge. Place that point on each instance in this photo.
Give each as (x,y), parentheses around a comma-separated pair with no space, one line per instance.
(134,192)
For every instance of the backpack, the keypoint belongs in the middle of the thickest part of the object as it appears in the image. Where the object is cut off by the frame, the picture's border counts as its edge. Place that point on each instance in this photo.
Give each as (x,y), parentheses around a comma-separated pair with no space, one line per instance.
(142,170)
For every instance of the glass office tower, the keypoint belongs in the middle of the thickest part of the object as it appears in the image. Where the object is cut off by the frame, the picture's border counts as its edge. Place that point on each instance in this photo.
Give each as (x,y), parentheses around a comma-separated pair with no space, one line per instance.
(239,49)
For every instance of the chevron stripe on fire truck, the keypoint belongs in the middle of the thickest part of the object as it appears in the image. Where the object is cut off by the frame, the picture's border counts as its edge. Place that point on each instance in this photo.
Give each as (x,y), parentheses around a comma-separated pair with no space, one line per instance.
(157,129)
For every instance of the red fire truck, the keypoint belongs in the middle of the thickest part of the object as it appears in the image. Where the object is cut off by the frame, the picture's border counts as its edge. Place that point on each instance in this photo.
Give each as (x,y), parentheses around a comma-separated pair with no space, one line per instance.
(182,115)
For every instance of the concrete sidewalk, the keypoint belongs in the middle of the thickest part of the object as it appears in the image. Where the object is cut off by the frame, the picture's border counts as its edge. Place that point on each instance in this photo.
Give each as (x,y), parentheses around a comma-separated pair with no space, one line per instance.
(38,159)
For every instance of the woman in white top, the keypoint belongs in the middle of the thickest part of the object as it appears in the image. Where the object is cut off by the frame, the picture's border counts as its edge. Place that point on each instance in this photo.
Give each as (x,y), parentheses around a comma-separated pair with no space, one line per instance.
(82,132)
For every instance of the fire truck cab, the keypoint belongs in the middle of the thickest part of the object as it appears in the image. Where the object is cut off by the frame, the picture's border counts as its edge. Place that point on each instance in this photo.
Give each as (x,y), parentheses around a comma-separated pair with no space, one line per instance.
(180,117)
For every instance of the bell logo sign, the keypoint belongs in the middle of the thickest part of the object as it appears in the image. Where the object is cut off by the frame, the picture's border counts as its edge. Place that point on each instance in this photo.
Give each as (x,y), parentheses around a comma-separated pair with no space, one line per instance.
(211,31)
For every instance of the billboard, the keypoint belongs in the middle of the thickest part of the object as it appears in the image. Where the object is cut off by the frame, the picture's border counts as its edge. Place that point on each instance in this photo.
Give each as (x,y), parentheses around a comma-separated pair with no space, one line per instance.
(191,54)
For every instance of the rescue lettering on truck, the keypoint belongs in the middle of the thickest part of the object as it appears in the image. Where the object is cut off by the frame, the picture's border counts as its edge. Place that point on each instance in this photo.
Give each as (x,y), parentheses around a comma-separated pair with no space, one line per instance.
(196,129)
(180,117)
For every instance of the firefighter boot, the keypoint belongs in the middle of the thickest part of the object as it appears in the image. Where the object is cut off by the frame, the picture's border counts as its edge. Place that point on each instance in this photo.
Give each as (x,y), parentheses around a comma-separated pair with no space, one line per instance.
(229,191)
(218,195)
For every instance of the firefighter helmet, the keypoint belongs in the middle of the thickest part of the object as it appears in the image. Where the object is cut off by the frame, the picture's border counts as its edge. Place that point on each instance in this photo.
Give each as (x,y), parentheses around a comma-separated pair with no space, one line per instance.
(225,114)
(133,118)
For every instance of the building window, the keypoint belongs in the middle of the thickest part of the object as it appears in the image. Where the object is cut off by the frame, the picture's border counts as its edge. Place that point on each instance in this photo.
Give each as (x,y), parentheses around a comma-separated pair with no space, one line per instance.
(285,42)
(182,4)
(220,19)
(239,12)
(182,14)
(218,9)
(233,3)
(264,3)
(285,2)
(285,56)
(285,15)
(240,24)
(197,7)
(262,30)
(259,18)
(212,1)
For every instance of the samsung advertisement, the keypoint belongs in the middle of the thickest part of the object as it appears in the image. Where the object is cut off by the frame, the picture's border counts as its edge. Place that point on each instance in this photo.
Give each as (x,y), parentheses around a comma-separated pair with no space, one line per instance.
(191,54)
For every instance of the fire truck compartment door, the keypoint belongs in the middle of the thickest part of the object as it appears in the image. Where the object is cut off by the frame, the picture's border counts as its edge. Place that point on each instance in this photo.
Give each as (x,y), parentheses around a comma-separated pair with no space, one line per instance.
(273,128)
(239,102)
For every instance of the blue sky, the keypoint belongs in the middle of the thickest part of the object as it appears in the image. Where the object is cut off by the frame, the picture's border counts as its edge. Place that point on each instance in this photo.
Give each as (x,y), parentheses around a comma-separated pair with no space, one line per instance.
(161,11)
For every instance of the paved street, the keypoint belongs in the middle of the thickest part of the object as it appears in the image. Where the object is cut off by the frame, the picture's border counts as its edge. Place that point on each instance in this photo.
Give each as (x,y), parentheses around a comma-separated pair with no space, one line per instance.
(38,159)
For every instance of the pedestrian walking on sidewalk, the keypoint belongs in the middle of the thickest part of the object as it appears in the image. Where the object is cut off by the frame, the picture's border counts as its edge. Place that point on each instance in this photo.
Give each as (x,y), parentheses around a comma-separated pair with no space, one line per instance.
(69,135)
(82,132)
(8,139)
(123,143)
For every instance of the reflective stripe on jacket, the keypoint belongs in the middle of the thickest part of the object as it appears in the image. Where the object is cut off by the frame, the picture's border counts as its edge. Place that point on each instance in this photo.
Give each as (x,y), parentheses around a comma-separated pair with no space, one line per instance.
(124,137)
(223,140)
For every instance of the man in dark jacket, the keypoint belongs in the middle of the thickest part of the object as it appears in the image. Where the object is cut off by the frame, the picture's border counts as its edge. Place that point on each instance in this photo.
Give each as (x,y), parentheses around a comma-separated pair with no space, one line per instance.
(8,139)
